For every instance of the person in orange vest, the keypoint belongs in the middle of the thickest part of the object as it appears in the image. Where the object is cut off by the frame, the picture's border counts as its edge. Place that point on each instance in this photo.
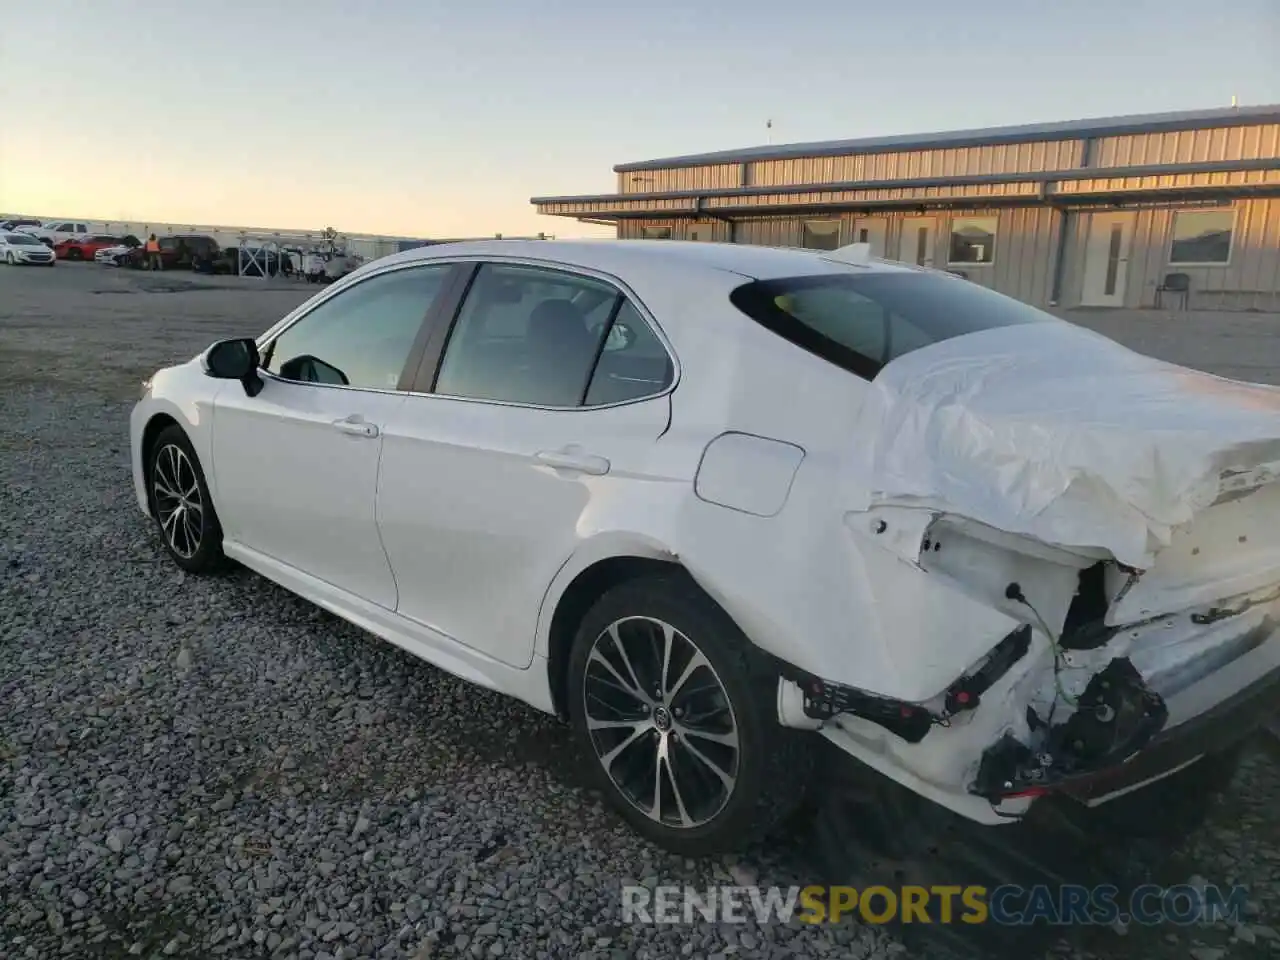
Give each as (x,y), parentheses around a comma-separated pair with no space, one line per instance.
(153,253)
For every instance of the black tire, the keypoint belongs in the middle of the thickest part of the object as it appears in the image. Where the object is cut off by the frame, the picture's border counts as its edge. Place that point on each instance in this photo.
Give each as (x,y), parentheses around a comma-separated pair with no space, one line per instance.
(75,253)
(172,465)
(773,764)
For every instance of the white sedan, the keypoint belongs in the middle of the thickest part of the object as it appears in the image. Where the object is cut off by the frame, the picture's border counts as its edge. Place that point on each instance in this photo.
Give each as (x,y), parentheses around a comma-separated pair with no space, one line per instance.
(111,255)
(722,507)
(22,248)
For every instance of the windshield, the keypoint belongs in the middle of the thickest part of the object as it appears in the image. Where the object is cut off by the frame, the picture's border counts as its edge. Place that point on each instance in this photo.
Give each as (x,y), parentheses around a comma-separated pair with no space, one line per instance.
(23,240)
(862,321)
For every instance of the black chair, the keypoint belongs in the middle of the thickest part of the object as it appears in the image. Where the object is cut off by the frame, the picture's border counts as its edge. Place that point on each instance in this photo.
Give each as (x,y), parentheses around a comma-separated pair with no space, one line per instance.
(1179,283)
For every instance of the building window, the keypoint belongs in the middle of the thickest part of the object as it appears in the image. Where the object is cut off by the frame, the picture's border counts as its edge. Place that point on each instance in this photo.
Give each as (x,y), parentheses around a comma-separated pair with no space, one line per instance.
(655,233)
(820,234)
(1202,236)
(973,240)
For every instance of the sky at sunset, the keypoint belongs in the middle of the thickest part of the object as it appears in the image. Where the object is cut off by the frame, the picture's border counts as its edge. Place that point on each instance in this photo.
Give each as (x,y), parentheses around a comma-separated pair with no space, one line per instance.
(419,118)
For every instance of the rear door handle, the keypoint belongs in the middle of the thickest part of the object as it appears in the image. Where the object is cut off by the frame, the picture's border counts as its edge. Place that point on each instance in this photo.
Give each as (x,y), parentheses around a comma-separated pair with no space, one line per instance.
(575,462)
(355,426)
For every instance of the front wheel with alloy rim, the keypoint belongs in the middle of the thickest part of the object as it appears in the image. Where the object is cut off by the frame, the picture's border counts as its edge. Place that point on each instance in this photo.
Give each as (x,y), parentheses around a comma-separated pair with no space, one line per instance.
(11,260)
(181,504)
(677,713)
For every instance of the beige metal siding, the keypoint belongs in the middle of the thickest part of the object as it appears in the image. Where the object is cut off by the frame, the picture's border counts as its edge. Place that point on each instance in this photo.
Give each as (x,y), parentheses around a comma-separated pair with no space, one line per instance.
(720,231)
(715,177)
(680,229)
(769,231)
(964,161)
(978,191)
(1026,245)
(1226,178)
(591,208)
(1189,146)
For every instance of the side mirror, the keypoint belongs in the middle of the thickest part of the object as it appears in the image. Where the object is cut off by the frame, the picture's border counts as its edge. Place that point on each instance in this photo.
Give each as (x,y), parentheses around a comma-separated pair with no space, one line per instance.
(235,360)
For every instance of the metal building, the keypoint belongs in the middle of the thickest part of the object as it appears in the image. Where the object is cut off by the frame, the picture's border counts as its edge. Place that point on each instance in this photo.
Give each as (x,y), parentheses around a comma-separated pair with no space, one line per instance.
(1121,211)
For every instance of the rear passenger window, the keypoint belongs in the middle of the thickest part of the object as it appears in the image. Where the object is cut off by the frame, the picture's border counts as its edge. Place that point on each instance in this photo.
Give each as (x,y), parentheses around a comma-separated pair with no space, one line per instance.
(526,335)
(633,363)
(548,338)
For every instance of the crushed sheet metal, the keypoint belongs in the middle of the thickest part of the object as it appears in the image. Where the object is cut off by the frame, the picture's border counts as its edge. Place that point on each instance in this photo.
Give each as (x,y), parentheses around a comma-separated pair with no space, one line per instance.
(1058,433)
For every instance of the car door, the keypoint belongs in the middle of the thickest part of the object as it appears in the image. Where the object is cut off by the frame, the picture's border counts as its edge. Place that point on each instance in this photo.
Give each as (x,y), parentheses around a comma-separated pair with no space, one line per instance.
(490,476)
(295,468)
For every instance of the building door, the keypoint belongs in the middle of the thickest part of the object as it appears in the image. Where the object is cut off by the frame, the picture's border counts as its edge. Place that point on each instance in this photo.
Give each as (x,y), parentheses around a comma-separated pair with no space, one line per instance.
(700,231)
(872,230)
(1106,259)
(917,240)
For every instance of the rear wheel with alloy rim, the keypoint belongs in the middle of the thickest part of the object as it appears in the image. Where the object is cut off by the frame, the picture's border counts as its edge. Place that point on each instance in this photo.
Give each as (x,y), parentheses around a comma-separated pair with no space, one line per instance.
(181,504)
(677,713)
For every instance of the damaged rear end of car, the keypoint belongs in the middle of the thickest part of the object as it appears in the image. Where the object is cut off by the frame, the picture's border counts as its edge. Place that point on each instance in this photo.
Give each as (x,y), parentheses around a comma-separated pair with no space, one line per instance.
(1063,557)
(1109,524)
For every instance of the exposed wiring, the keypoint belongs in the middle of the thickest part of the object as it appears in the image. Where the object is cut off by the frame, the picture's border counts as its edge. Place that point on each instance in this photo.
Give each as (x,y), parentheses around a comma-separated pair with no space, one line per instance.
(1014,592)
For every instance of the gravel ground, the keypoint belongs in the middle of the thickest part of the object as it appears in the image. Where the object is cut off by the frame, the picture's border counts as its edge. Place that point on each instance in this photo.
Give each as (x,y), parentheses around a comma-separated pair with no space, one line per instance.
(212,767)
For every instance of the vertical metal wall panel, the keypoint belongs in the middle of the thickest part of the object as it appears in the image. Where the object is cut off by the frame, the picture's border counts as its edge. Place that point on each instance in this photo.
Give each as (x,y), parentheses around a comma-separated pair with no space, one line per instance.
(1026,243)
(713,177)
(770,231)
(1259,247)
(1189,146)
(955,161)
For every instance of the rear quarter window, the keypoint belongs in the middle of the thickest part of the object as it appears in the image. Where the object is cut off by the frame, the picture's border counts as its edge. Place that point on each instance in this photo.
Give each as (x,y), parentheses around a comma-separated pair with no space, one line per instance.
(862,321)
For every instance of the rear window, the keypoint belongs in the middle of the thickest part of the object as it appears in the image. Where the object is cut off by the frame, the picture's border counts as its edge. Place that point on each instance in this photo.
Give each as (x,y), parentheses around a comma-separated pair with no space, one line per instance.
(862,321)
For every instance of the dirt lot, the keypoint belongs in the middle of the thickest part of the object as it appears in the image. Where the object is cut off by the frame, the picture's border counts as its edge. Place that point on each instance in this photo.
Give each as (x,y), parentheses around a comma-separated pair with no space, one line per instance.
(201,768)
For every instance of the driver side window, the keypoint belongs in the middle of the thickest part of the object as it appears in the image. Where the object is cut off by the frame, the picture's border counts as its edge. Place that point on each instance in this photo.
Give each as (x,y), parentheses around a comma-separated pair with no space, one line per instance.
(361,337)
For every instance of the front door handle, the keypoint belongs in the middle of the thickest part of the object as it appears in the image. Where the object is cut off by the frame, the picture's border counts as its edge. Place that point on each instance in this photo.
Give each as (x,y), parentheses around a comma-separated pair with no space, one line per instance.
(356,426)
(572,461)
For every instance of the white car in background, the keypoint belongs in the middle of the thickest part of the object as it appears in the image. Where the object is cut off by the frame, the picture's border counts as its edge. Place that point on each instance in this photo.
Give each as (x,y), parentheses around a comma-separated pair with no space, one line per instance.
(723,507)
(22,248)
(111,255)
(55,231)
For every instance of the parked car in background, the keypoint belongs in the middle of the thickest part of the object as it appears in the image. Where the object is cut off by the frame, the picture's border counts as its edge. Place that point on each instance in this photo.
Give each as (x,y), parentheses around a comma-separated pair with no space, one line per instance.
(87,247)
(20,225)
(53,232)
(113,256)
(177,250)
(17,248)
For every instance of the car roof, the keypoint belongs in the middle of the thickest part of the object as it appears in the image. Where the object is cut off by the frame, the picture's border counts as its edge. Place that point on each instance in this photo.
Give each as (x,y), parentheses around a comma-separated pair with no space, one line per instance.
(617,256)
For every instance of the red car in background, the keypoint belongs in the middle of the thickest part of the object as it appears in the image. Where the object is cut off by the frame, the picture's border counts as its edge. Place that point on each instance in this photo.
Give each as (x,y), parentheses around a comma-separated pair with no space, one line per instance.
(83,248)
